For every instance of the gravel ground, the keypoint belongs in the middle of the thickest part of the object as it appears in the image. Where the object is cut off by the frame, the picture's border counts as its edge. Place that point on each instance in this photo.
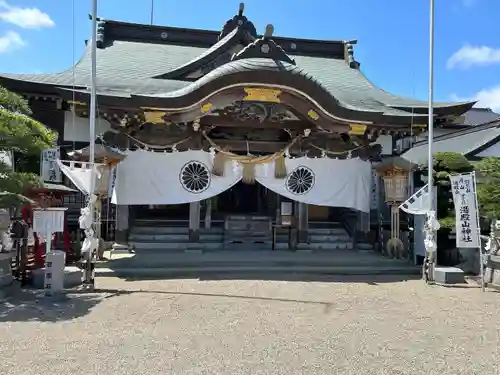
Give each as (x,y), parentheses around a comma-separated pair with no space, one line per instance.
(253,327)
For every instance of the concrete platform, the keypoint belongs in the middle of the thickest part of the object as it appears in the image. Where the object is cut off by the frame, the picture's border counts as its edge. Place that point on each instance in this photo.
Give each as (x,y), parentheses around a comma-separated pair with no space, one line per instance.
(449,275)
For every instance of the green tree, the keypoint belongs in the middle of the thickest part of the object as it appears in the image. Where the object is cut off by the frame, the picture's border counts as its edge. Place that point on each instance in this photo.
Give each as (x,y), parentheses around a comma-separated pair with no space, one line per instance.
(22,135)
(488,187)
(444,164)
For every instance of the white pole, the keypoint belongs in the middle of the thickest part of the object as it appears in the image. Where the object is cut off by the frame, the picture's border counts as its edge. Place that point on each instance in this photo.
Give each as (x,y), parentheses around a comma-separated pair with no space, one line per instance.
(431,130)
(93,105)
(431,100)
(93,94)
(478,223)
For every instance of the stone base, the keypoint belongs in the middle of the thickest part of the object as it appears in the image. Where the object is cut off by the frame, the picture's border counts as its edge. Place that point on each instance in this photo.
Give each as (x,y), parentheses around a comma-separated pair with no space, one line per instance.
(120,248)
(492,271)
(449,275)
(470,260)
(6,279)
(73,276)
(5,268)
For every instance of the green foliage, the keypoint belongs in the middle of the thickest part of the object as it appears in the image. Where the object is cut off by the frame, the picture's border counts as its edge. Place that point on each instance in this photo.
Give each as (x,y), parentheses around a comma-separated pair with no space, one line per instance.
(488,187)
(444,165)
(451,162)
(23,136)
(447,222)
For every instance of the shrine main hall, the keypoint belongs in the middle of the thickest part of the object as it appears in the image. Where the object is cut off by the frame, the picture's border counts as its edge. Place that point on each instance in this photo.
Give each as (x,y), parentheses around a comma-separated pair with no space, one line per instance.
(225,132)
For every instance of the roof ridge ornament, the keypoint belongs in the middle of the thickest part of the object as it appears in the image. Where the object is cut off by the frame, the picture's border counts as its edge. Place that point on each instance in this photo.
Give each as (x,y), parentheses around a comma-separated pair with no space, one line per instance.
(349,54)
(239,20)
(264,47)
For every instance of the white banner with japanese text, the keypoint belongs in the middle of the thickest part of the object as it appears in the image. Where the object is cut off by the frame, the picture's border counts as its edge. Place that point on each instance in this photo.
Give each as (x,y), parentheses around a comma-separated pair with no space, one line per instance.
(49,169)
(463,187)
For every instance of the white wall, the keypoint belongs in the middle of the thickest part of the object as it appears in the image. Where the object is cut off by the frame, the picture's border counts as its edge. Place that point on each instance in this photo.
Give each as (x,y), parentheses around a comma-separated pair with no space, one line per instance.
(77,129)
(386,142)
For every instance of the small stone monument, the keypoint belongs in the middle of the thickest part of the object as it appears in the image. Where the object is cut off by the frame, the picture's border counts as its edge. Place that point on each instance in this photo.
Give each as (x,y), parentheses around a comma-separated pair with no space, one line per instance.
(5,249)
(492,258)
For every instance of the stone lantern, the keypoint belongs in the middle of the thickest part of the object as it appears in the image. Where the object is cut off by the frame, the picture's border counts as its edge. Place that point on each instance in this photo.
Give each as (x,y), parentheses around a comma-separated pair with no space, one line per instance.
(395,174)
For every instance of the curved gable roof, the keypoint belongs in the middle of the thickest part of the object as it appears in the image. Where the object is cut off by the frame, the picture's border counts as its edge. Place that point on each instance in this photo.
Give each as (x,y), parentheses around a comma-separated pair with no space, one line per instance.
(133,55)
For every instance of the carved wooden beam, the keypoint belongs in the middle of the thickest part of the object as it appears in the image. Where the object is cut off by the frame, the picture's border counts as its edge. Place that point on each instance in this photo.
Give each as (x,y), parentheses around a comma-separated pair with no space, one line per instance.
(252,146)
(228,122)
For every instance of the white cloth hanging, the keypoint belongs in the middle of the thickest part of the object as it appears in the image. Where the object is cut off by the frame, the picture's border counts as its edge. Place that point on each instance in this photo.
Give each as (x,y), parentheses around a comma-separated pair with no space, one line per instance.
(80,176)
(151,178)
(418,203)
(322,182)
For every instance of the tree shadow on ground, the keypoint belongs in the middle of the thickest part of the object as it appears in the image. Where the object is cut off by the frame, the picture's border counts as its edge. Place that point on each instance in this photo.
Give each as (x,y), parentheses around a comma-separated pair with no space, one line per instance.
(29,305)
(174,294)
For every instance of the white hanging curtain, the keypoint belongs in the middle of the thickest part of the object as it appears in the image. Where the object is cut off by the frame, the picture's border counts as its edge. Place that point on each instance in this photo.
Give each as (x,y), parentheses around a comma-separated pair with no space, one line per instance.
(79,174)
(322,182)
(145,178)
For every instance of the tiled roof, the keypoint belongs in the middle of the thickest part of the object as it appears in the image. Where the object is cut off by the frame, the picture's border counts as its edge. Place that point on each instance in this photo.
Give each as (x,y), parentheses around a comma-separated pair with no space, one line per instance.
(469,142)
(128,66)
(479,116)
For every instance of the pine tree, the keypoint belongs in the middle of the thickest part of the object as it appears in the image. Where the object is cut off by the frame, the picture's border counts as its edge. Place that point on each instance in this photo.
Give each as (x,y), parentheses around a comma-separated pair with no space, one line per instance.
(488,187)
(24,136)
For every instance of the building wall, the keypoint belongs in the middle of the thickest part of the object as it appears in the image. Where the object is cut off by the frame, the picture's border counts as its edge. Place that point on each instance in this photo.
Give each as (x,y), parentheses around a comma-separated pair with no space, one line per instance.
(77,129)
(386,142)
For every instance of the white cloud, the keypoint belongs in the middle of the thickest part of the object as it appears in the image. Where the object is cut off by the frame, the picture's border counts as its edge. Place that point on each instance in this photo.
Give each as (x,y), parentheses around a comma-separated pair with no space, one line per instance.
(469,56)
(27,18)
(11,41)
(486,98)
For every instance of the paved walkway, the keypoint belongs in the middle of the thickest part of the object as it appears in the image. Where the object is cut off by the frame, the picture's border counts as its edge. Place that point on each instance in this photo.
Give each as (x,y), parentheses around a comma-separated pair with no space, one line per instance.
(348,326)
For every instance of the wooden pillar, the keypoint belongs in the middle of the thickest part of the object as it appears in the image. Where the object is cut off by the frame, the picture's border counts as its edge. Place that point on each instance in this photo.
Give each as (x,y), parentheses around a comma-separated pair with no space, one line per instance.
(208,213)
(122,224)
(303,222)
(194,221)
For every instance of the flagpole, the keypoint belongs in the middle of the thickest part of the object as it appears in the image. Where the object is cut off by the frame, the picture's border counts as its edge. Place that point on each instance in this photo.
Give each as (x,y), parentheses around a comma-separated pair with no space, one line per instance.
(431,128)
(93,115)
(478,223)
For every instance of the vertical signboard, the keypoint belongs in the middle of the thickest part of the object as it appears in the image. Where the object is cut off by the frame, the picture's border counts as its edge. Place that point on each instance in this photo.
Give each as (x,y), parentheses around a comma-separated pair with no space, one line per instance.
(49,169)
(466,213)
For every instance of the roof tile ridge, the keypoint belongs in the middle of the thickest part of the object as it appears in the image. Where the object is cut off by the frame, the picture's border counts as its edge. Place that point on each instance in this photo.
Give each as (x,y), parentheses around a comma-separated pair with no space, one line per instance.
(264,47)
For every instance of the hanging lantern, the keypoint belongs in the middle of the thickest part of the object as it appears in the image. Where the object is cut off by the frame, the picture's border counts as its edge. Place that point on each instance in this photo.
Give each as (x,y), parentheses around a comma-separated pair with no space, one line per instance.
(395,184)
(106,159)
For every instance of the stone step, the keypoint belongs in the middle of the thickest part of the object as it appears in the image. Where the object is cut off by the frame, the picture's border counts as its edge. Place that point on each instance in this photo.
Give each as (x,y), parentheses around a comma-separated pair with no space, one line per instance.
(322,246)
(184,238)
(327,231)
(181,246)
(248,246)
(236,271)
(247,232)
(162,246)
(253,240)
(170,230)
(247,218)
(204,237)
(364,246)
(234,260)
(181,230)
(329,238)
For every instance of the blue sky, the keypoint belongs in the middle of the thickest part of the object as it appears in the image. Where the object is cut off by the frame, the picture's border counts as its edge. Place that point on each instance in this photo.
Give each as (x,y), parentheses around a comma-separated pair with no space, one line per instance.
(43,36)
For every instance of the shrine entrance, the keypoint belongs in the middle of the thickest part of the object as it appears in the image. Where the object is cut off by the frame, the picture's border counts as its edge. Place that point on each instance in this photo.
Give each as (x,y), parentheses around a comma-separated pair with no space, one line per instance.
(247,199)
